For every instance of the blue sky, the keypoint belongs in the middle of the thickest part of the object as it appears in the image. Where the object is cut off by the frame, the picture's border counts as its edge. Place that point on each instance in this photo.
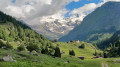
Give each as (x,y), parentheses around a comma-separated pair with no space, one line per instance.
(71,6)
(81,3)
(13,1)
(74,5)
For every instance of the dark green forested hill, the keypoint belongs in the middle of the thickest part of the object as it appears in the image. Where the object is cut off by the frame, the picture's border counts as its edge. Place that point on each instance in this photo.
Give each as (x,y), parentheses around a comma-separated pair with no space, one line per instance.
(16,33)
(113,41)
(98,25)
(111,46)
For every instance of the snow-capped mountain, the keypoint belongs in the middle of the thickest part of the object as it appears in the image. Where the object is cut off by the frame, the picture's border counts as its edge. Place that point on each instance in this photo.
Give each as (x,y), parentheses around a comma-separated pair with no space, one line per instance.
(55,28)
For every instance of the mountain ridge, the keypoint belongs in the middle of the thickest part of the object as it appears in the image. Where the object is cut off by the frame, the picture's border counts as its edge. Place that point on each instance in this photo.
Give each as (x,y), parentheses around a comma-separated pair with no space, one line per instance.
(103,21)
(54,28)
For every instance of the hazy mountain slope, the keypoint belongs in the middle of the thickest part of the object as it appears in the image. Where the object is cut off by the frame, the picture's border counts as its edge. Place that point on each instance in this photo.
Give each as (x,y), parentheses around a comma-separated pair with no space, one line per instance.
(98,25)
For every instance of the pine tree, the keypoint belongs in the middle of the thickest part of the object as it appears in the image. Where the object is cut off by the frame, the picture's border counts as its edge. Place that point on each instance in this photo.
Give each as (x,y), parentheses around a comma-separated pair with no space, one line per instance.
(95,53)
(57,52)
(119,50)
(71,52)
(45,51)
(105,54)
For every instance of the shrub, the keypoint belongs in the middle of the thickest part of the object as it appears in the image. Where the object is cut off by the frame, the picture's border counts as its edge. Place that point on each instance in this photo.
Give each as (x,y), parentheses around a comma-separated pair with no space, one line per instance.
(8,46)
(44,51)
(82,46)
(55,40)
(21,48)
(32,47)
(1,44)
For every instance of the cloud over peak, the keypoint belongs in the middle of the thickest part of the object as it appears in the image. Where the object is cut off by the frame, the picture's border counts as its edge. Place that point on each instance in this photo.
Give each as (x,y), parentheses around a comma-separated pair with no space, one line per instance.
(86,9)
(31,11)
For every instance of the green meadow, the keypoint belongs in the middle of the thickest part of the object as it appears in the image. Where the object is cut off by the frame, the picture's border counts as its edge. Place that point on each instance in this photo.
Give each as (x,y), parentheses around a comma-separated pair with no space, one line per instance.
(24,59)
(27,59)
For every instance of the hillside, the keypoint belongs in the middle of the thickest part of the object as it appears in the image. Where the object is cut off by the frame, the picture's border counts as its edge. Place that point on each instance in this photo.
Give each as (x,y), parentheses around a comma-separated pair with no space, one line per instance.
(111,46)
(17,33)
(88,50)
(111,42)
(97,26)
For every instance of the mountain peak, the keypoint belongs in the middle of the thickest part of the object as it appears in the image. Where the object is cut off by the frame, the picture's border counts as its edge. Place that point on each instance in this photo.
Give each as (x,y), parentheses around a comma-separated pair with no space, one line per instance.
(54,28)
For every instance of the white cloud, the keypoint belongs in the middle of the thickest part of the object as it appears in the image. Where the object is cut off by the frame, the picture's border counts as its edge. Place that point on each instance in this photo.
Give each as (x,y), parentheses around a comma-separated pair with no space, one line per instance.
(33,10)
(18,12)
(15,11)
(77,0)
(86,9)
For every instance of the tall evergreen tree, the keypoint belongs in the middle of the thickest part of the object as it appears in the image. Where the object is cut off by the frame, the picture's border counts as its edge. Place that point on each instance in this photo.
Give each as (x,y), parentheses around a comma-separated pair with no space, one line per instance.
(119,50)
(45,51)
(95,53)
(57,52)
(105,54)
(71,52)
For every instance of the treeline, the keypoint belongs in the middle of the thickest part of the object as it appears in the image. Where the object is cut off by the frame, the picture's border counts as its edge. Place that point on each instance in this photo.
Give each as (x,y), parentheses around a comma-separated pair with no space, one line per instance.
(113,51)
(111,46)
(114,40)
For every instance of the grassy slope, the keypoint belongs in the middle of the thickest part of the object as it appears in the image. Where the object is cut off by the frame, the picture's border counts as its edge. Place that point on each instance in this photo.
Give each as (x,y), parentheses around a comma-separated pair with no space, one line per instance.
(88,51)
(23,59)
